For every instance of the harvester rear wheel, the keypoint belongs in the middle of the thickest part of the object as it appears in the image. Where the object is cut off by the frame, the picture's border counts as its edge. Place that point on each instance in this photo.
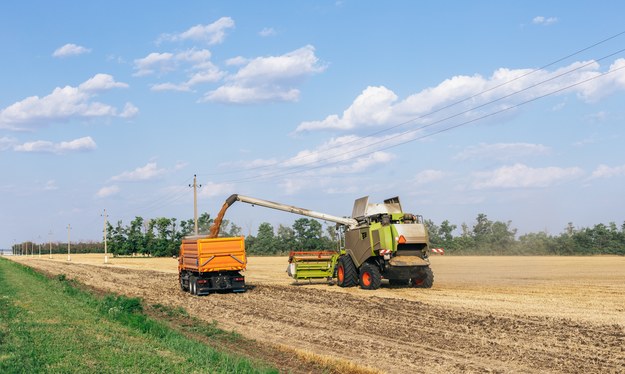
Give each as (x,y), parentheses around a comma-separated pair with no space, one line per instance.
(425,278)
(346,275)
(398,282)
(370,277)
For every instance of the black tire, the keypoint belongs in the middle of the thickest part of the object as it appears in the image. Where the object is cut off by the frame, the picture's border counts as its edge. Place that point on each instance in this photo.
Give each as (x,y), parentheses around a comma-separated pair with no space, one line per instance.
(193,285)
(182,286)
(370,277)
(425,278)
(398,282)
(347,275)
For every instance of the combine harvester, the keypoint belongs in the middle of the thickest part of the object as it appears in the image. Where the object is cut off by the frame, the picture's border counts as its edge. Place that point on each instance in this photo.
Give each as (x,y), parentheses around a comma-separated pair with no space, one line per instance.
(379,241)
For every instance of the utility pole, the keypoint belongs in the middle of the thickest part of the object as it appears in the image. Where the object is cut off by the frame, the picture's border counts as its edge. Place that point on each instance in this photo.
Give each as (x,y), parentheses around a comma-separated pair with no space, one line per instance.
(39,240)
(106,256)
(69,227)
(195,187)
(50,241)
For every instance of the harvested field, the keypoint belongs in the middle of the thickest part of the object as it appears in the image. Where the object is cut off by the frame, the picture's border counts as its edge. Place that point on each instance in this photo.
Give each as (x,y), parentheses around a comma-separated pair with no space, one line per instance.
(494,314)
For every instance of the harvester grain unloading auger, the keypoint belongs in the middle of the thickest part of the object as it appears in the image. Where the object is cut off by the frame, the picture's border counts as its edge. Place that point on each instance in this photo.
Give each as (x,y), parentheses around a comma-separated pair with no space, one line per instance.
(381,241)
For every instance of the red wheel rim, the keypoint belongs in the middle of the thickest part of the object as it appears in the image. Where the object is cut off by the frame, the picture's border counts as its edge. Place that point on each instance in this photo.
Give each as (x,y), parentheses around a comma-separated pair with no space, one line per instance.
(341,274)
(366,279)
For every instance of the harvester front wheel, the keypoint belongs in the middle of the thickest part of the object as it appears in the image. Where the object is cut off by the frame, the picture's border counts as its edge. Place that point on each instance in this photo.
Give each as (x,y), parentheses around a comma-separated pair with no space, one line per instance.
(346,274)
(370,277)
(425,278)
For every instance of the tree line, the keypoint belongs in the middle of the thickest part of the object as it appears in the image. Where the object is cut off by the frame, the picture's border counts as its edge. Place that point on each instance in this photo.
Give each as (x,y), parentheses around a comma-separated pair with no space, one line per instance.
(486,237)
(162,237)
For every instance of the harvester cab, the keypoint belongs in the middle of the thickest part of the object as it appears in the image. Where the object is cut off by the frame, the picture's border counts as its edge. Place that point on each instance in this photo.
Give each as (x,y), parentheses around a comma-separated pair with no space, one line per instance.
(379,241)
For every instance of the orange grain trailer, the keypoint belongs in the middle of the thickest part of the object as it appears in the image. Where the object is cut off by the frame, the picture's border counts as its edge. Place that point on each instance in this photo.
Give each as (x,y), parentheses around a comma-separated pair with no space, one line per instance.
(211,264)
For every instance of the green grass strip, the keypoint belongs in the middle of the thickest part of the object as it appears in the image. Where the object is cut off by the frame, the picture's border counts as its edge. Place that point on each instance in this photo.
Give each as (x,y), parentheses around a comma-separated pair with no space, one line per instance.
(51,326)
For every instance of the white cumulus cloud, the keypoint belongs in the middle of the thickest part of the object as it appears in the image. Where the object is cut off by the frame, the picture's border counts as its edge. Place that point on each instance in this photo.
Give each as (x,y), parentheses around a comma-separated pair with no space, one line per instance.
(147,172)
(70,50)
(7,143)
(107,191)
(546,21)
(194,62)
(523,176)
(213,33)
(272,78)
(267,31)
(211,189)
(50,185)
(43,146)
(466,98)
(604,171)
(373,106)
(428,176)
(62,105)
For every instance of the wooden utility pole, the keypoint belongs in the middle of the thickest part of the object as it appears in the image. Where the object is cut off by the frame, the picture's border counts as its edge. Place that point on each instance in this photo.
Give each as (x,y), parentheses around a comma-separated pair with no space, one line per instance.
(106,256)
(69,227)
(195,187)
(50,241)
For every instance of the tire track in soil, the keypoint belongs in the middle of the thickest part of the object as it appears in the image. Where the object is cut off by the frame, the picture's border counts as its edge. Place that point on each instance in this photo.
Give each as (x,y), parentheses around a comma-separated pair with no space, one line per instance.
(393,335)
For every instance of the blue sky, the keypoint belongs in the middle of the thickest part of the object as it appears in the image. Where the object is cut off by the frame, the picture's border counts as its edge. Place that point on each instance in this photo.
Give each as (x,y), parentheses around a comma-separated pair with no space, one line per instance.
(510,109)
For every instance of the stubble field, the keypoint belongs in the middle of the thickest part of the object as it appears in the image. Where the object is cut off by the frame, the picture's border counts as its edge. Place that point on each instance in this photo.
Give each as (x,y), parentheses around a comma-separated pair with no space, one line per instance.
(484,314)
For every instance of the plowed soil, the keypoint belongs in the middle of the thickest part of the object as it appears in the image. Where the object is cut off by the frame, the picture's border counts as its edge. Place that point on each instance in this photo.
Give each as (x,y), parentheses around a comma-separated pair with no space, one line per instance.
(484,314)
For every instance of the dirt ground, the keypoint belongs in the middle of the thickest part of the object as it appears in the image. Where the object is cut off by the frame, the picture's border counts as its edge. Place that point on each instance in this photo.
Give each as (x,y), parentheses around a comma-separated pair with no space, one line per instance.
(484,314)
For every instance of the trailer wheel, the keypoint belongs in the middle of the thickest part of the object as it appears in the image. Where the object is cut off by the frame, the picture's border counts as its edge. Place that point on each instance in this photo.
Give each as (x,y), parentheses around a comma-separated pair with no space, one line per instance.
(425,279)
(346,274)
(193,285)
(370,277)
(182,286)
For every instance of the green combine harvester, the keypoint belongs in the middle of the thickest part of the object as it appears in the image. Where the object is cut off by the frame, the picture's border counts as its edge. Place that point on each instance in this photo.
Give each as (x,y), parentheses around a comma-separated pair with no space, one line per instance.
(379,241)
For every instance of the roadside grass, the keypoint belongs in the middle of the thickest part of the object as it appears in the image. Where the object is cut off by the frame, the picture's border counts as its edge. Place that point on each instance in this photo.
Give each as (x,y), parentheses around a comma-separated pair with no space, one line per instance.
(51,325)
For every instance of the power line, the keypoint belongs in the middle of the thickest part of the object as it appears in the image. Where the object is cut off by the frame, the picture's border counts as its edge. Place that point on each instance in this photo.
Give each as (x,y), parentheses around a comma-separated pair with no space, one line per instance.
(453,104)
(435,132)
(178,194)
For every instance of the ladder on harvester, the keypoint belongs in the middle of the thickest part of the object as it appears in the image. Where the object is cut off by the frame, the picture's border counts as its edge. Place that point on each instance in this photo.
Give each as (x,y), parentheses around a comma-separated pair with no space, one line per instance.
(312,265)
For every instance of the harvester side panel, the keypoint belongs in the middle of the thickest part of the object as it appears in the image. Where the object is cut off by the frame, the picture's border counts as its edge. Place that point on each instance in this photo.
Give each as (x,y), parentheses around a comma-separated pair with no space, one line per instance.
(375,239)
(381,237)
(359,245)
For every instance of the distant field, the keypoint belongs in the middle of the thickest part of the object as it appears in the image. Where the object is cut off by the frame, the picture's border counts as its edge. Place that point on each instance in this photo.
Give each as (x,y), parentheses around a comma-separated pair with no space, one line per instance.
(508,314)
